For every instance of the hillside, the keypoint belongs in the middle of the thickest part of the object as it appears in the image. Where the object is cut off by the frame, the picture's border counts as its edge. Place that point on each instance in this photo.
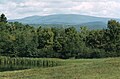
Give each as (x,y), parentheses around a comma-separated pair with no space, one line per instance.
(61,19)
(67,19)
(90,25)
(95,25)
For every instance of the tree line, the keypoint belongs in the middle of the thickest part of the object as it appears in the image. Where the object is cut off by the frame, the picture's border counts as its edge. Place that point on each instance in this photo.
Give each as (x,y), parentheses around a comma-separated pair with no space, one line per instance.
(20,40)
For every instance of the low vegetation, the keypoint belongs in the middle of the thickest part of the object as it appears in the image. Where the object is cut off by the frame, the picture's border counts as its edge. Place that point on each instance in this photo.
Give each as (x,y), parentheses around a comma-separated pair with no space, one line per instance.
(7,63)
(107,68)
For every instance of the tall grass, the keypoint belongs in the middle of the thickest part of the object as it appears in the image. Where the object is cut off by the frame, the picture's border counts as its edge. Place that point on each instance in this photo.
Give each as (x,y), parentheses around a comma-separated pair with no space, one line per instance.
(22,63)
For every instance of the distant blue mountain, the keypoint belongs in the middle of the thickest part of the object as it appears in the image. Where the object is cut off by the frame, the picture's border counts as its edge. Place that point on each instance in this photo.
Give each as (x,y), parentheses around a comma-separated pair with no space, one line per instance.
(95,25)
(68,19)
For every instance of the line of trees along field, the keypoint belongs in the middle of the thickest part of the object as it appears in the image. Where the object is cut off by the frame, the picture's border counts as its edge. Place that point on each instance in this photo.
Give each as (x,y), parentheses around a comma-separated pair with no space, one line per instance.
(19,40)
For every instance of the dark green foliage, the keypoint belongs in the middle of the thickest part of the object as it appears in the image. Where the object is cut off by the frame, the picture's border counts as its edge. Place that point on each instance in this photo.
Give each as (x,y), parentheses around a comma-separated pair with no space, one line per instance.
(19,40)
(3,18)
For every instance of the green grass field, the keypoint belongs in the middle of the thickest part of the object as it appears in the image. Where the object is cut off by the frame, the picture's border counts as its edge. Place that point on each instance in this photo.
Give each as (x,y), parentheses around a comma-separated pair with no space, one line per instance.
(107,68)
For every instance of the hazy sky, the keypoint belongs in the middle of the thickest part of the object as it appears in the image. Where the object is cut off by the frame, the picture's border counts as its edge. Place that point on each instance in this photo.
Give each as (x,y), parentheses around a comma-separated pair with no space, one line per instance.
(22,8)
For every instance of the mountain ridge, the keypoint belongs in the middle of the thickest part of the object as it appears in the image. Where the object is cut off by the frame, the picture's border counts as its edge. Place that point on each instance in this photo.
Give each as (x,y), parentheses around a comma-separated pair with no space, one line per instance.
(69,19)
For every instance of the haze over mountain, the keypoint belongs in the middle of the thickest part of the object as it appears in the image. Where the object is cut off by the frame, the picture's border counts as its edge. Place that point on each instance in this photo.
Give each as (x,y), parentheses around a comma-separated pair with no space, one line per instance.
(68,19)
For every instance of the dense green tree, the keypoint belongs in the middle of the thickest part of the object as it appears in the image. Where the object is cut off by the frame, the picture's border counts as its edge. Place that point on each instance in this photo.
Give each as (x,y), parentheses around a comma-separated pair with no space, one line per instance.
(114,36)
(3,18)
(45,40)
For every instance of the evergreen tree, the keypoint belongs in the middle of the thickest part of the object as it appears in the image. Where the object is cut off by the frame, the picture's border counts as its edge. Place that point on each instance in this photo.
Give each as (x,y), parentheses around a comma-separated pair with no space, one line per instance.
(3,18)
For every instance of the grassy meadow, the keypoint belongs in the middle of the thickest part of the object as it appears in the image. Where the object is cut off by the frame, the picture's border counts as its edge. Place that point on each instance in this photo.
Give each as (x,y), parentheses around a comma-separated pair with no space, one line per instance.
(107,68)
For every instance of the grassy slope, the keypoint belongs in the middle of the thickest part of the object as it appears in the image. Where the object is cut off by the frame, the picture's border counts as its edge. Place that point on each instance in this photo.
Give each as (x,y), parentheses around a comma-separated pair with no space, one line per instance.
(74,69)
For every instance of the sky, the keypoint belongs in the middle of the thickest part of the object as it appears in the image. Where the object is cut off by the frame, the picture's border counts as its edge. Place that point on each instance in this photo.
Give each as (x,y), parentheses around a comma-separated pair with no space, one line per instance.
(15,9)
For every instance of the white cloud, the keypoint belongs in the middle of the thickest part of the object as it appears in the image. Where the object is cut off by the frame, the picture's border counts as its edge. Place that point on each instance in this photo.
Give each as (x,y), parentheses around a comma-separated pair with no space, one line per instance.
(22,8)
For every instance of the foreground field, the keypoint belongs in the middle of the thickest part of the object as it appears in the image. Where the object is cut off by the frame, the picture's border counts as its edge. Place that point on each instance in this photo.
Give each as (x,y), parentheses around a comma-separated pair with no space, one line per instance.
(73,69)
